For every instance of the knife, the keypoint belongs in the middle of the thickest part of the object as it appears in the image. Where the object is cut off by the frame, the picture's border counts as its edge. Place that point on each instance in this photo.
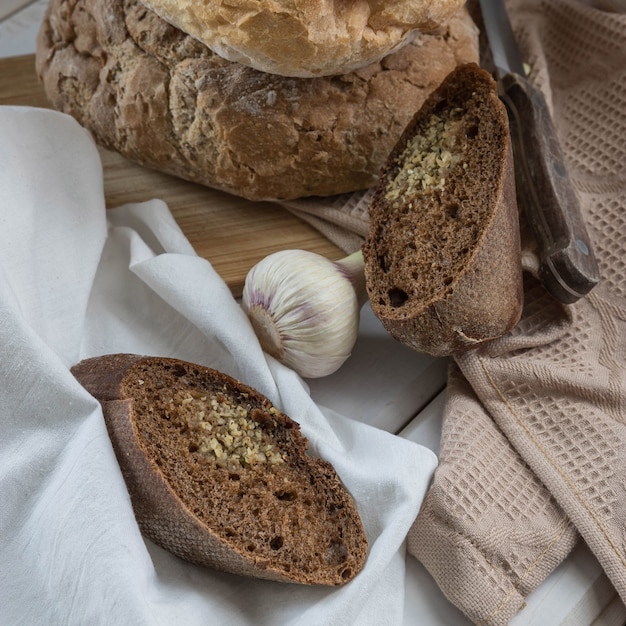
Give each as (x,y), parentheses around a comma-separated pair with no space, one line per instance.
(567,265)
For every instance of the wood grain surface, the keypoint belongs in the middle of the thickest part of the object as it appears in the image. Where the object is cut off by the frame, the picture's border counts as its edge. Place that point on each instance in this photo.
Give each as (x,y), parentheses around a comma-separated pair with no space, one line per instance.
(231,232)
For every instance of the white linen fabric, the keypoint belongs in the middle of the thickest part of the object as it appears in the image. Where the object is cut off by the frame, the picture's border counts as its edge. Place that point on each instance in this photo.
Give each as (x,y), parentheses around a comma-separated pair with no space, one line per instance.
(76,281)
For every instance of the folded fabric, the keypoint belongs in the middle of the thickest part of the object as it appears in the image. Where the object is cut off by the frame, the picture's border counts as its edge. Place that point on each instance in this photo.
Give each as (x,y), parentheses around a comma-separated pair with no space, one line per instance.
(489,532)
(78,281)
(535,431)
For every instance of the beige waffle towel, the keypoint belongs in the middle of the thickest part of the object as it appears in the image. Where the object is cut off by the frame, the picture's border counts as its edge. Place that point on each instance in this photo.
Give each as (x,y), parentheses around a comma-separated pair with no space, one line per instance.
(533,450)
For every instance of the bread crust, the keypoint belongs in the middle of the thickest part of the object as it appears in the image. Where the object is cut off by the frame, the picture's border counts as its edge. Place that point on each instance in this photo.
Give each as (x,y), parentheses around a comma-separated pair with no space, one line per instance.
(166,517)
(162,99)
(483,299)
(305,39)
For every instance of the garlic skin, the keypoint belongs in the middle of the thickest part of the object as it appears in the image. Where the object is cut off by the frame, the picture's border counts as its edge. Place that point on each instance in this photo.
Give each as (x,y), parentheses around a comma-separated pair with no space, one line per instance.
(305,308)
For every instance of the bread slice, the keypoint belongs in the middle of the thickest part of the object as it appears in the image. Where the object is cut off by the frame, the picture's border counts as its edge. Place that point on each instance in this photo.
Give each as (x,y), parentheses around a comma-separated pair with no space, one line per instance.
(442,256)
(220,477)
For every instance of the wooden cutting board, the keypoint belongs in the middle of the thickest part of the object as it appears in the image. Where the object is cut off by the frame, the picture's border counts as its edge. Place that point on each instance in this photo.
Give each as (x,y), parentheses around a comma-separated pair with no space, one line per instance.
(232,233)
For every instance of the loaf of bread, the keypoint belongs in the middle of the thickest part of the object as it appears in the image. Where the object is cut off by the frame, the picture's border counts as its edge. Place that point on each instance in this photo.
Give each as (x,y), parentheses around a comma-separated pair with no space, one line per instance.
(442,256)
(162,99)
(220,477)
(305,39)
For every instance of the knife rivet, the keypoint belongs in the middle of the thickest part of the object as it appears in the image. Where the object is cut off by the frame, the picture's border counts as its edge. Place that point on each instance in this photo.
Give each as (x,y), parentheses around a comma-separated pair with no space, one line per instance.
(559,168)
(582,246)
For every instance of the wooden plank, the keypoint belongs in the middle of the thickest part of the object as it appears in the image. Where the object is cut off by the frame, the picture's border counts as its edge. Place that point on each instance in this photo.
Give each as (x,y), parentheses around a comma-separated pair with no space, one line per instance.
(19,83)
(231,232)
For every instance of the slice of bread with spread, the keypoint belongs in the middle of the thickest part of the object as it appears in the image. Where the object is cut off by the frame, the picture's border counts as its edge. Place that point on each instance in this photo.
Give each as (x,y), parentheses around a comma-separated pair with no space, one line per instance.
(220,477)
(442,256)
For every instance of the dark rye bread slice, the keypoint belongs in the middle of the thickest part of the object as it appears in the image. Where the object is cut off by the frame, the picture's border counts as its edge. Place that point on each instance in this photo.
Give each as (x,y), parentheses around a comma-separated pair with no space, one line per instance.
(220,477)
(442,256)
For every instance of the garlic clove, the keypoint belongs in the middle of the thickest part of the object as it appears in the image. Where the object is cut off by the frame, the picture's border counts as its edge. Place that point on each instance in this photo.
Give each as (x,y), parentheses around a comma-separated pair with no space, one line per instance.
(305,308)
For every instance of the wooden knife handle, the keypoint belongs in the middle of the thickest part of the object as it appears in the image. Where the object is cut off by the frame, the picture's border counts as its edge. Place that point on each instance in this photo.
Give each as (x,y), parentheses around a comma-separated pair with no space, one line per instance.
(568,267)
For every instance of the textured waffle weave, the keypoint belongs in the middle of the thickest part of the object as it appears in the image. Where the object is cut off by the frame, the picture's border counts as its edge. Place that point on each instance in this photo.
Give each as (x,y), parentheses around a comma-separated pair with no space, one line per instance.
(533,450)
(342,219)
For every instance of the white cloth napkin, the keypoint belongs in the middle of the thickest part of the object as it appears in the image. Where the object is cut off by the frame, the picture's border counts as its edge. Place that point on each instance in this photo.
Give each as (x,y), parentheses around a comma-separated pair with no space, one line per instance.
(77,281)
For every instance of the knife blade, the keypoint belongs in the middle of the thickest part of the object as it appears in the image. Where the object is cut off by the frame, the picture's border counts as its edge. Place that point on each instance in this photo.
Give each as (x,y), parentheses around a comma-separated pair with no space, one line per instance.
(568,267)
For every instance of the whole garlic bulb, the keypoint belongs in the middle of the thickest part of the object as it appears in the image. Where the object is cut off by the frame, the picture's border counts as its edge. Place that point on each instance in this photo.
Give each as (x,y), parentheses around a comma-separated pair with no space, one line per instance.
(305,308)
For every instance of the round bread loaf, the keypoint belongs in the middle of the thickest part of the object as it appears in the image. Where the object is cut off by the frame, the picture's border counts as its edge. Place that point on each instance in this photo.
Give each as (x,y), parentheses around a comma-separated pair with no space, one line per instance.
(304,39)
(162,99)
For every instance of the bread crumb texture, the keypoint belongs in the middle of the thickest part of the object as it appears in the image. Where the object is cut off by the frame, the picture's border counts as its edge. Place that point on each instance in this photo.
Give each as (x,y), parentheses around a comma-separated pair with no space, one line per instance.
(440,190)
(442,255)
(427,158)
(164,100)
(225,433)
(241,467)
